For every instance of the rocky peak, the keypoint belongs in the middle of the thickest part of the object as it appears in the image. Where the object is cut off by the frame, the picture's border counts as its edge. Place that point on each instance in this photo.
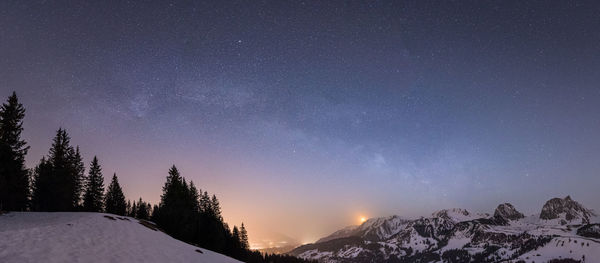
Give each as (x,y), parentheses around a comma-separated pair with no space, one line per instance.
(448,213)
(457,215)
(566,209)
(381,228)
(507,211)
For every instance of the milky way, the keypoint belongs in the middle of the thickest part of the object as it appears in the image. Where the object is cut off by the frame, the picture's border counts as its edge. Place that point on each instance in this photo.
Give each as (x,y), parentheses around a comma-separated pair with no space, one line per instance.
(301,116)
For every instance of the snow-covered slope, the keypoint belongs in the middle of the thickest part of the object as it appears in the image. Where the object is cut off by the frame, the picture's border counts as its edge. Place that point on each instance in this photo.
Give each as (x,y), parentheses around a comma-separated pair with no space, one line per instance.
(344,232)
(372,229)
(564,229)
(91,237)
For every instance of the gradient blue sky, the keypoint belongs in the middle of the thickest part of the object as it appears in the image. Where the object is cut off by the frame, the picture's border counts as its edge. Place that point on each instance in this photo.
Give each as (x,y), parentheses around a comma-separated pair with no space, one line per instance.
(302,116)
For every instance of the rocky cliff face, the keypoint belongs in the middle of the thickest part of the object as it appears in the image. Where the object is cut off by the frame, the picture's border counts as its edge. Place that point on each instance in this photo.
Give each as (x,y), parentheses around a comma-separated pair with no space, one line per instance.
(566,210)
(508,212)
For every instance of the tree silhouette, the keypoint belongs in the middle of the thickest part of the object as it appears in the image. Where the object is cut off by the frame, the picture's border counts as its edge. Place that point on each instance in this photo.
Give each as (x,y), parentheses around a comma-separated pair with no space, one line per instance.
(14,178)
(58,178)
(142,210)
(194,197)
(114,201)
(78,178)
(93,198)
(42,196)
(205,204)
(128,209)
(133,211)
(244,237)
(215,208)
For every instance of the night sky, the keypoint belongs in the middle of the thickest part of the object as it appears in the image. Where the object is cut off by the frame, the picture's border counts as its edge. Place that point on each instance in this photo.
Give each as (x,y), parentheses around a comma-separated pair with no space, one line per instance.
(303,116)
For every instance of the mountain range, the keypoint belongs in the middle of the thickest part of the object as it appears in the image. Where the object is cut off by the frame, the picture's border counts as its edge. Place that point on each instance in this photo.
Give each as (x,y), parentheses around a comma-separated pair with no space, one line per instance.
(563,230)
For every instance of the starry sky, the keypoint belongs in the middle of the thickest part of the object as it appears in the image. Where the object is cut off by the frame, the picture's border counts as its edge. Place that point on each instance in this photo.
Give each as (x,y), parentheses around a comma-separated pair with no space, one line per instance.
(304,116)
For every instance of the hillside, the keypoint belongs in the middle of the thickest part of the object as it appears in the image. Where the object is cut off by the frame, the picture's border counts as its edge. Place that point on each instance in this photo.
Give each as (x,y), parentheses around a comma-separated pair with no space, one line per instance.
(563,229)
(91,237)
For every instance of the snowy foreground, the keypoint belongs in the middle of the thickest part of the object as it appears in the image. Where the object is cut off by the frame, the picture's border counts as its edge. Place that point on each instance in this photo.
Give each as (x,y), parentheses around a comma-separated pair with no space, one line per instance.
(91,237)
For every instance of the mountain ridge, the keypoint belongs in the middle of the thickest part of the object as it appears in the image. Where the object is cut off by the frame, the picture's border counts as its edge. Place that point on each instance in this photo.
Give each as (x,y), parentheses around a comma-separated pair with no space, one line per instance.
(458,233)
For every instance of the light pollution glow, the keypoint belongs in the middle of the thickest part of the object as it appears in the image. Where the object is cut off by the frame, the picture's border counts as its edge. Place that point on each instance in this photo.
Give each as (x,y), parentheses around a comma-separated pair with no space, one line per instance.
(303,117)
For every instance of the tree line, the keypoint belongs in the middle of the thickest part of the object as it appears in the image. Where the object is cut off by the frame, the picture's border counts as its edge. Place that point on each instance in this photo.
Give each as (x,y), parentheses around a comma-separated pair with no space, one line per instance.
(59,183)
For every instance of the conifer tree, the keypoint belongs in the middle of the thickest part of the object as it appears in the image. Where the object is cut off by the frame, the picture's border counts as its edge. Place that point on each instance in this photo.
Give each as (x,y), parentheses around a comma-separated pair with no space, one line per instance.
(133,210)
(128,208)
(154,213)
(244,237)
(143,210)
(93,199)
(174,208)
(42,196)
(205,205)
(194,197)
(58,177)
(78,177)
(14,177)
(114,201)
(236,234)
(236,243)
(60,187)
(216,208)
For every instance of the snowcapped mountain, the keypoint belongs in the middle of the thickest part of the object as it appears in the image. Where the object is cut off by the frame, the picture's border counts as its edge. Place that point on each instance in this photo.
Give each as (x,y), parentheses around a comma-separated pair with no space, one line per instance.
(566,211)
(564,229)
(372,229)
(507,212)
(344,232)
(92,237)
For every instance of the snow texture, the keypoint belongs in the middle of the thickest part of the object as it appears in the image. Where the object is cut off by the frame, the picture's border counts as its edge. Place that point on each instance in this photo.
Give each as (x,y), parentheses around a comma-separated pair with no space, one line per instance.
(91,237)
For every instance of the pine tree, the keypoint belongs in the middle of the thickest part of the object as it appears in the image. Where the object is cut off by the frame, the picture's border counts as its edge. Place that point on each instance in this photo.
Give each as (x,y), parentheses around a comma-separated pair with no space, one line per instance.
(42,196)
(78,177)
(216,208)
(173,204)
(93,198)
(154,213)
(134,210)
(60,188)
(236,243)
(14,177)
(58,177)
(205,205)
(143,210)
(194,197)
(244,237)
(236,234)
(128,208)
(114,201)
